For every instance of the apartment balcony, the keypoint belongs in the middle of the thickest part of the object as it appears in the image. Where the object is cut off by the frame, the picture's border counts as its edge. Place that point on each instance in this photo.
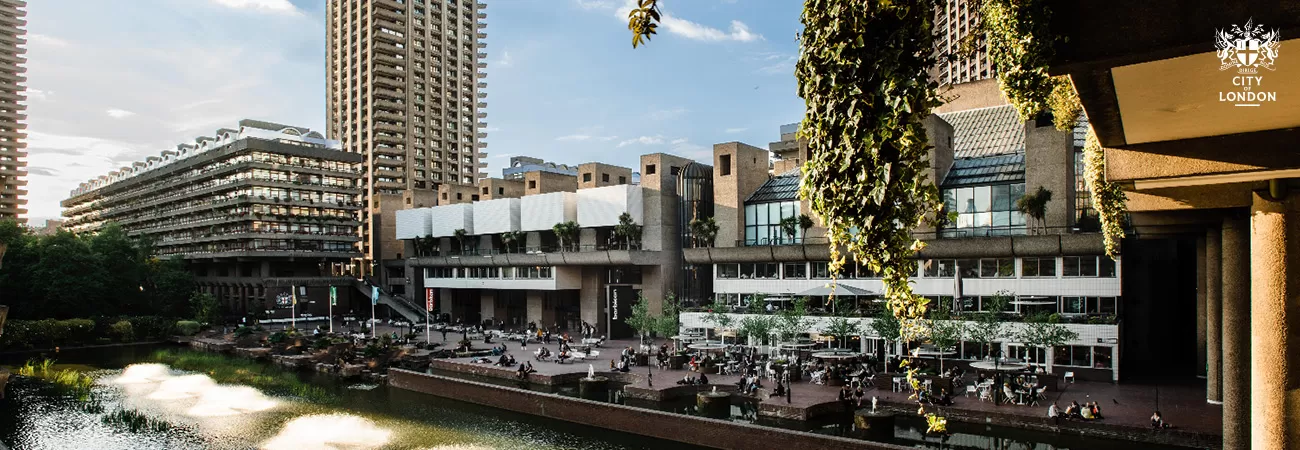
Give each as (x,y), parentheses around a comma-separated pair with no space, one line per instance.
(481,105)
(481,135)
(390,162)
(385,69)
(482,15)
(388,9)
(482,55)
(389,35)
(389,116)
(481,35)
(481,144)
(481,85)
(389,59)
(386,138)
(391,94)
(482,155)
(482,95)
(389,150)
(481,45)
(390,185)
(390,127)
(385,171)
(388,82)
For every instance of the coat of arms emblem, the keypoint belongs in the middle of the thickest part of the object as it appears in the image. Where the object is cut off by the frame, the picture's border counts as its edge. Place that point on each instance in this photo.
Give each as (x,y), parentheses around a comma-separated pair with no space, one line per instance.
(1247,48)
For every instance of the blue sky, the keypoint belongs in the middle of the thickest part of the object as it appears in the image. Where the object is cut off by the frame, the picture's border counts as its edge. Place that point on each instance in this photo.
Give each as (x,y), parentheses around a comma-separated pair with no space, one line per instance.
(113,82)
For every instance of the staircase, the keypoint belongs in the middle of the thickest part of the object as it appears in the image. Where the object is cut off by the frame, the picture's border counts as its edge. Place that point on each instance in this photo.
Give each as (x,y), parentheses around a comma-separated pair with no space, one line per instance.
(403,307)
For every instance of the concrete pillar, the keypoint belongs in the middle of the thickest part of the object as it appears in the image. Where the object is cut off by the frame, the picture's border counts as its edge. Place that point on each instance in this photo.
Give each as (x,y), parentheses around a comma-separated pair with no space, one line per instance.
(1274,323)
(487,305)
(591,300)
(444,301)
(1236,333)
(534,314)
(1213,316)
(1200,307)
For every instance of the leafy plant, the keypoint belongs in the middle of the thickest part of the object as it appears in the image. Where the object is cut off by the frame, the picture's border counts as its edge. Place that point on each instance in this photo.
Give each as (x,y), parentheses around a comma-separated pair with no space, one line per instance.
(640,319)
(794,320)
(512,239)
(1039,331)
(567,233)
(187,327)
(643,20)
(627,231)
(206,308)
(123,331)
(945,332)
(1034,205)
(426,246)
(135,422)
(887,327)
(704,231)
(987,326)
(758,327)
(718,314)
(1019,42)
(460,234)
(1107,198)
(841,327)
(669,321)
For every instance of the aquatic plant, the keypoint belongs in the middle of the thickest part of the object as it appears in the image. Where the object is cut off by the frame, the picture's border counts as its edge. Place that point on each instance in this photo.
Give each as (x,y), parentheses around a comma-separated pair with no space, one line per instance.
(65,382)
(135,421)
(228,370)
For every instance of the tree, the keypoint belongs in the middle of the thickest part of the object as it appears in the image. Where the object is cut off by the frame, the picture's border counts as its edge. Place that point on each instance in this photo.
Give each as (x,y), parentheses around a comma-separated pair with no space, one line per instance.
(1041,331)
(426,246)
(641,320)
(758,326)
(704,231)
(460,234)
(842,327)
(887,327)
(206,308)
(987,326)
(669,322)
(511,240)
(792,321)
(567,233)
(718,314)
(10,232)
(627,231)
(945,331)
(1034,205)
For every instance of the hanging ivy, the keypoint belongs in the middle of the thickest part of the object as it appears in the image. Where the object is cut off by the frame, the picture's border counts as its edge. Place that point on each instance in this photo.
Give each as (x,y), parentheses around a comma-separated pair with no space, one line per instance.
(863,72)
(1020,47)
(1107,198)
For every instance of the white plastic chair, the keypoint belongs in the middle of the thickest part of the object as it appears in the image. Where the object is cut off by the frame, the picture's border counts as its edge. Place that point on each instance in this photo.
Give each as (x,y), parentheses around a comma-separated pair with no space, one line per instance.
(898,384)
(1068,376)
(970,389)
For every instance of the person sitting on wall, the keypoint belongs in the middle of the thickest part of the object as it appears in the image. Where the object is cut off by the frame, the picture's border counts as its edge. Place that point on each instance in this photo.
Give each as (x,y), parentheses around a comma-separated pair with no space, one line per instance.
(563,356)
(522,373)
(704,378)
(1072,411)
(1096,410)
(622,367)
(1158,422)
(686,380)
(779,391)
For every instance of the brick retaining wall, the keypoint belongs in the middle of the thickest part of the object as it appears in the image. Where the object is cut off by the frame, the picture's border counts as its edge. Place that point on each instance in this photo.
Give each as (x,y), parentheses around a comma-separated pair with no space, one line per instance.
(674,427)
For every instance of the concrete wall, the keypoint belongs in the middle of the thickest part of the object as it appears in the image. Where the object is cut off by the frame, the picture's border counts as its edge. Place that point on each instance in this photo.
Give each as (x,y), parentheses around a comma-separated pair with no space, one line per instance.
(594,174)
(746,172)
(676,427)
(494,188)
(1049,162)
(451,194)
(546,182)
(976,94)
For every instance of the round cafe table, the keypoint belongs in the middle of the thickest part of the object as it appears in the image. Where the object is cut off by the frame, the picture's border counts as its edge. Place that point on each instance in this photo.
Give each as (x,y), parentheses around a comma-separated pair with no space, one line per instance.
(1010,366)
(707,347)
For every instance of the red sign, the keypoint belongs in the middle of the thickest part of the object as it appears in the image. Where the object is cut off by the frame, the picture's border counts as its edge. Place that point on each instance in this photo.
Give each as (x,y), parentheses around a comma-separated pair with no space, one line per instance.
(428,299)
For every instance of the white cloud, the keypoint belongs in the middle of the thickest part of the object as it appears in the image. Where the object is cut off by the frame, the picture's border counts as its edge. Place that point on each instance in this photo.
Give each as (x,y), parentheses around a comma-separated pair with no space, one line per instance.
(778,65)
(37,94)
(595,4)
(684,147)
(679,141)
(738,32)
(643,140)
(505,59)
(734,130)
(119,113)
(665,114)
(37,40)
(267,6)
(574,137)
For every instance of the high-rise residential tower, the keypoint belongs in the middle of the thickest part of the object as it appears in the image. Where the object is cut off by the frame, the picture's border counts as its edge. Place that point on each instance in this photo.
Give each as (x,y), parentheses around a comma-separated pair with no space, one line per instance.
(404,90)
(13,146)
(954,21)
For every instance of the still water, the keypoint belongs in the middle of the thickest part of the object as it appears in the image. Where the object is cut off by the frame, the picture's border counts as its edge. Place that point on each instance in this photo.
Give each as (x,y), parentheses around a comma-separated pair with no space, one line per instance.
(201,414)
(205,415)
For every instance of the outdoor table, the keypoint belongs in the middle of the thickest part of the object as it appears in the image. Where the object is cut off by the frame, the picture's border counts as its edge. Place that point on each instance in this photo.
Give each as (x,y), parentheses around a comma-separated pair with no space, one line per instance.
(705,347)
(999,367)
(925,353)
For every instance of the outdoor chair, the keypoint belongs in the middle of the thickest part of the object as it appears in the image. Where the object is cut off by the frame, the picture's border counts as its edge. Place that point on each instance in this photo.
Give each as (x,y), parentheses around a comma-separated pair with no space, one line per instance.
(970,389)
(1007,395)
(898,384)
(986,393)
(1068,376)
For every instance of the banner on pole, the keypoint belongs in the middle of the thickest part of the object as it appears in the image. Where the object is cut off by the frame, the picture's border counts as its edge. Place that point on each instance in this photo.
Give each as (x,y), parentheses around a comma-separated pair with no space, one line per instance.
(374,295)
(334,296)
(428,299)
(293,294)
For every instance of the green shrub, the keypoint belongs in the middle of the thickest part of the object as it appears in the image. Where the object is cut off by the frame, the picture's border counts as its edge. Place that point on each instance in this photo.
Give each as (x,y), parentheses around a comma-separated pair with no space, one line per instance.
(122,330)
(243,331)
(187,327)
(277,337)
(152,328)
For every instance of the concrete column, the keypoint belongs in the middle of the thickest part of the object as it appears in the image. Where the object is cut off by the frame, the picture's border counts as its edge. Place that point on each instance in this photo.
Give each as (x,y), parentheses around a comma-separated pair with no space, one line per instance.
(1213,316)
(591,300)
(444,301)
(487,304)
(534,314)
(1200,308)
(1236,333)
(1275,323)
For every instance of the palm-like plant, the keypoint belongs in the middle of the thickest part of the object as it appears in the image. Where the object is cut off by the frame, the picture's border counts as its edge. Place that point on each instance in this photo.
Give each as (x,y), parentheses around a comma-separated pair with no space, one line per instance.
(511,240)
(1034,205)
(805,223)
(790,227)
(567,233)
(460,235)
(704,231)
(627,231)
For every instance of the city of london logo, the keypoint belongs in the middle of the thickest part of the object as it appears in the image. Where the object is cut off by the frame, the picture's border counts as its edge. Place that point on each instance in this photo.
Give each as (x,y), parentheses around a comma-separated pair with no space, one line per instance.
(1247,49)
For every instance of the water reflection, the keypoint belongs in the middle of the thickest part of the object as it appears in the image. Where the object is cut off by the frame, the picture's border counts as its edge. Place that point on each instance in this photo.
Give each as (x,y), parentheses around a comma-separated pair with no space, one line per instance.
(329,431)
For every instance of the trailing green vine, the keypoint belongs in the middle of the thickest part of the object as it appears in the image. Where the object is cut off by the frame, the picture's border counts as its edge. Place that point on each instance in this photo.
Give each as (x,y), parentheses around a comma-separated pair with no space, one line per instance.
(1107,198)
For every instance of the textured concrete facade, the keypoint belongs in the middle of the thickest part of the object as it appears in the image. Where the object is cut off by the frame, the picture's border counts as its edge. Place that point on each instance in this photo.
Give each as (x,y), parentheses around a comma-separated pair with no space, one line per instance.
(404,90)
(494,188)
(1050,155)
(13,110)
(1275,322)
(1214,315)
(539,182)
(594,174)
(738,170)
(1236,333)
(452,194)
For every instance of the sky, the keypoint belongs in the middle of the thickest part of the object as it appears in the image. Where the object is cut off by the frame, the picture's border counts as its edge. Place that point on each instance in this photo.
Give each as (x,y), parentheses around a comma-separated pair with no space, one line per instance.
(110,83)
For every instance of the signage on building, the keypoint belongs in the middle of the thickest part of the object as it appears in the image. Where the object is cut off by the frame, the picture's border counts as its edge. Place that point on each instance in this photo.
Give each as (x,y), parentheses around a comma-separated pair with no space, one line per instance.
(374,295)
(428,299)
(1247,49)
(334,296)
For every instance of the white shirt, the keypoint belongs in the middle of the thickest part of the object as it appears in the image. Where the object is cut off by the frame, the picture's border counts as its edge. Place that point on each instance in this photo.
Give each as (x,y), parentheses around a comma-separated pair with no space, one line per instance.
(1052,411)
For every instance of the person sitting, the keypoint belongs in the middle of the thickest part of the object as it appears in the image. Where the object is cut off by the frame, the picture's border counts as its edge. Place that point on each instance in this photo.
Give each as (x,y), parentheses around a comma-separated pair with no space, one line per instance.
(1158,422)
(1086,412)
(859,394)
(1072,411)
(502,360)
(779,391)
(563,356)
(487,338)
(704,378)
(845,395)
(686,380)
(754,385)
(522,373)
(1096,410)
(1054,413)
(621,367)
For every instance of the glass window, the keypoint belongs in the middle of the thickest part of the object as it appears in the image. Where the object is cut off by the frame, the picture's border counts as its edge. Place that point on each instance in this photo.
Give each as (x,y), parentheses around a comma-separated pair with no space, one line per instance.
(1036,355)
(947,268)
(1106,267)
(1080,356)
(1002,198)
(1070,266)
(966,201)
(970,268)
(988,268)
(728,270)
(1006,268)
(1072,305)
(1061,355)
(747,270)
(1088,266)
(1101,357)
(1107,305)
(795,270)
(821,270)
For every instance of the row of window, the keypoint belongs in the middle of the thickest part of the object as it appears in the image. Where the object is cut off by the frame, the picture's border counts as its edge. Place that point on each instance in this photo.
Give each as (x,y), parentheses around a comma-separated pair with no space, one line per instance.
(1067,266)
(1019,305)
(505,273)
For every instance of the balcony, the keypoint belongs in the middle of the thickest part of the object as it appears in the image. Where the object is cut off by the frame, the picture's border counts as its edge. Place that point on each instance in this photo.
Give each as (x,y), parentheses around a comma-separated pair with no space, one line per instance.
(391,127)
(388,82)
(387,138)
(389,150)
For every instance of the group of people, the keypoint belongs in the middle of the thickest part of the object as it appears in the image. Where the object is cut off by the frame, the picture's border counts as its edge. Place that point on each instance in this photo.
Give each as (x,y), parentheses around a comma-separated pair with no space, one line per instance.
(690,380)
(852,395)
(525,368)
(1087,411)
